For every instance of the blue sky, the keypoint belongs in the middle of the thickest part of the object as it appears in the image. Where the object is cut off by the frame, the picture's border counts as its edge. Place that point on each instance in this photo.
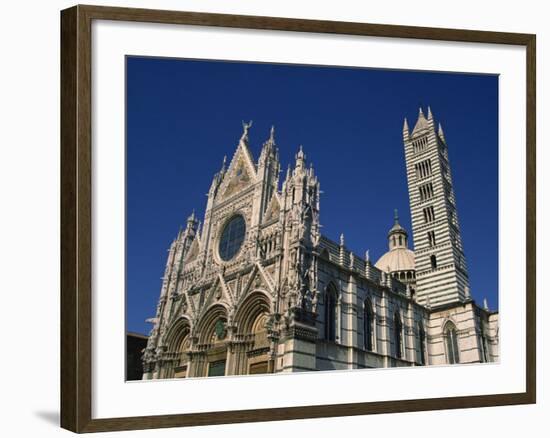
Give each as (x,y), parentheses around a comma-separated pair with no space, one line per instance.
(183,116)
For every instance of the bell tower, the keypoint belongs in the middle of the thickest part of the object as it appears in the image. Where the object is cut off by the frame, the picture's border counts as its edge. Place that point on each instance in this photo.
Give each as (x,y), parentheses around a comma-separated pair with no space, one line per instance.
(441,273)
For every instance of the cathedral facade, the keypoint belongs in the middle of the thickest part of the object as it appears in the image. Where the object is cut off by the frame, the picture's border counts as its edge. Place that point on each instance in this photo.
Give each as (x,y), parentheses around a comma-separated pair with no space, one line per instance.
(256,288)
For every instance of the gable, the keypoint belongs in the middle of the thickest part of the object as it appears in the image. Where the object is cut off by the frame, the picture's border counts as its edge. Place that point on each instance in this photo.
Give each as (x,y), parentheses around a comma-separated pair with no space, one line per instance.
(237,180)
(241,172)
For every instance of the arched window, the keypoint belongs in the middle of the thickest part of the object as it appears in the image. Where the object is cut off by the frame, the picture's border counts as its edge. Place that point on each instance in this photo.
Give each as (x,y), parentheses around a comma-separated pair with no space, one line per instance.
(398,338)
(368,329)
(422,343)
(400,240)
(451,343)
(330,314)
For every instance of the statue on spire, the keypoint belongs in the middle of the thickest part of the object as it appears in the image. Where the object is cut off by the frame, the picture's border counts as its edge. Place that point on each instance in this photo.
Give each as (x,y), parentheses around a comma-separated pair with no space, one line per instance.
(246,128)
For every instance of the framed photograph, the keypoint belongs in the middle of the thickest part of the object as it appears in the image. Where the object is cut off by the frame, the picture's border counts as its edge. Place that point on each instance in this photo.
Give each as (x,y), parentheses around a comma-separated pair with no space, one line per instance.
(367,239)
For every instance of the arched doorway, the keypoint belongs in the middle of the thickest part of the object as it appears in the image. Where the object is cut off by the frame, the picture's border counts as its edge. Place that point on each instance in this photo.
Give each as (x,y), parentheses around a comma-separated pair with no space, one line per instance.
(178,343)
(253,343)
(210,355)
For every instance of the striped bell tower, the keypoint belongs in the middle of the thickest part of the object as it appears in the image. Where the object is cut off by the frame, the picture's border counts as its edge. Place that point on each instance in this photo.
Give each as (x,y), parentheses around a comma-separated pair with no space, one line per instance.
(441,273)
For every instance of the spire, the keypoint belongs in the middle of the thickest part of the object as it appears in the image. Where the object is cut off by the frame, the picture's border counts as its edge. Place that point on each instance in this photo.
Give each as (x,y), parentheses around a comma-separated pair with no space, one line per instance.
(300,158)
(485,304)
(342,251)
(192,220)
(430,119)
(269,149)
(406,133)
(367,264)
(395,217)
(440,132)
(405,128)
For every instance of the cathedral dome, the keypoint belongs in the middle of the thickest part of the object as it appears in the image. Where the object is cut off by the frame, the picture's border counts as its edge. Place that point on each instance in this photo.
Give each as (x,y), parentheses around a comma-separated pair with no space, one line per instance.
(396,260)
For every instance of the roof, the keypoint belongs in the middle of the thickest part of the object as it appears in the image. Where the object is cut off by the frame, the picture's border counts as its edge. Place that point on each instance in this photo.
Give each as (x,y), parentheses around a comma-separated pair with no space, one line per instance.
(422,123)
(397,228)
(398,259)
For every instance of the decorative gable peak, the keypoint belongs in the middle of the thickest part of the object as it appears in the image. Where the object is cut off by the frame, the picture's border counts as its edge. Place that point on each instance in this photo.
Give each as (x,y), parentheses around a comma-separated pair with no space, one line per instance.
(242,169)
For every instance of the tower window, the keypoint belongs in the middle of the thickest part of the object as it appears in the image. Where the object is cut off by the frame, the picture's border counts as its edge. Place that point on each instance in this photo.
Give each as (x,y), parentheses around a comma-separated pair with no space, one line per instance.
(426,191)
(433,261)
(431,238)
(423,169)
(420,145)
(429,214)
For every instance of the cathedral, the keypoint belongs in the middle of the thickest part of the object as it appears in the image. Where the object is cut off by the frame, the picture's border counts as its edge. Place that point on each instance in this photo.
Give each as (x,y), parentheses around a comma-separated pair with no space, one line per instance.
(257,288)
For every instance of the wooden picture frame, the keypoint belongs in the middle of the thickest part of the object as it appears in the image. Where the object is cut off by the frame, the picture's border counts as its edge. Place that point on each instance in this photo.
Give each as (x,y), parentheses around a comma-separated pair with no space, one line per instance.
(76,218)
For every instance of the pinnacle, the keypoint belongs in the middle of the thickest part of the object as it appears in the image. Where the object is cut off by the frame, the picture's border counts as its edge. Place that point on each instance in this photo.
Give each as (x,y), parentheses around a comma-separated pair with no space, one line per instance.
(440,131)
